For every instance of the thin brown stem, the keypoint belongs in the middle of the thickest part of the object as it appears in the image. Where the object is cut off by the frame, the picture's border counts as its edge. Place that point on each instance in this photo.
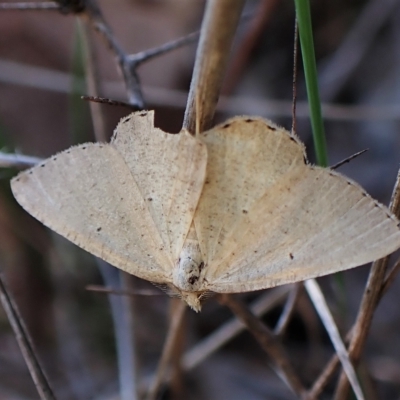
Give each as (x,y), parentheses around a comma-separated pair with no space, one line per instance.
(134,91)
(268,341)
(288,310)
(219,337)
(25,344)
(170,342)
(93,85)
(325,376)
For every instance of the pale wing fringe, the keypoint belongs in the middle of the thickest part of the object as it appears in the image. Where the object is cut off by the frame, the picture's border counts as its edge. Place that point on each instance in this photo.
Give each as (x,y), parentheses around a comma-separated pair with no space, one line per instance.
(298,230)
(88,195)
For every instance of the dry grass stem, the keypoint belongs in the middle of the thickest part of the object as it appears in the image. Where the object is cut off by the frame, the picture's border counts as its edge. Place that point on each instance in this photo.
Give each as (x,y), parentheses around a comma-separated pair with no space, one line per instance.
(8,160)
(325,315)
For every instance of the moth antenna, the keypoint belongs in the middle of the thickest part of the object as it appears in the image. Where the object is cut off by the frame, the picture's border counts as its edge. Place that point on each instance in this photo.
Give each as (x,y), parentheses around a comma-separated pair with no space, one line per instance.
(166,289)
(110,102)
(118,292)
(206,295)
(348,159)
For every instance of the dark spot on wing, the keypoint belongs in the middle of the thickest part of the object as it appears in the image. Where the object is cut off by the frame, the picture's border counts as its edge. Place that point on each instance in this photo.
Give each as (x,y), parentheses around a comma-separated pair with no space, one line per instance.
(271,127)
(84,148)
(201,266)
(98,229)
(293,139)
(226,126)
(244,211)
(149,199)
(249,120)
(127,119)
(291,256)
(42,165)
(143,114)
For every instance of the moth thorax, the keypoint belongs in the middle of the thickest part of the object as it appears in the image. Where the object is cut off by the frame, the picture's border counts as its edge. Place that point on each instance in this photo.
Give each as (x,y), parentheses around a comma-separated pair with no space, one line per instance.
(188,275)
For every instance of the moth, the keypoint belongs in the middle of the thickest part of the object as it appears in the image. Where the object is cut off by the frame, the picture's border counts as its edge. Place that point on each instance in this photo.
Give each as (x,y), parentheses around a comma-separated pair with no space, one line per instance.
(233,209)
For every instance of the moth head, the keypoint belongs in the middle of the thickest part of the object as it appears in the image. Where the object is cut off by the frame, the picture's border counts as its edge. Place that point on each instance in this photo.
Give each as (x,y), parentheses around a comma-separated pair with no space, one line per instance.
(192,299)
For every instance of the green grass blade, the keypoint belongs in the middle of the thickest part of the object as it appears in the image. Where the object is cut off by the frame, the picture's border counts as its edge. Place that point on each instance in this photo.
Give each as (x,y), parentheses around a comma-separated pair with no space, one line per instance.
(310,72)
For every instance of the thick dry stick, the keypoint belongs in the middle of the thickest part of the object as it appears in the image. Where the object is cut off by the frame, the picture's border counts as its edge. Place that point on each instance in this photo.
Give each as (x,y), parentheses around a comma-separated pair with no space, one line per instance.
(217,31)
(268,341)
(22,336)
